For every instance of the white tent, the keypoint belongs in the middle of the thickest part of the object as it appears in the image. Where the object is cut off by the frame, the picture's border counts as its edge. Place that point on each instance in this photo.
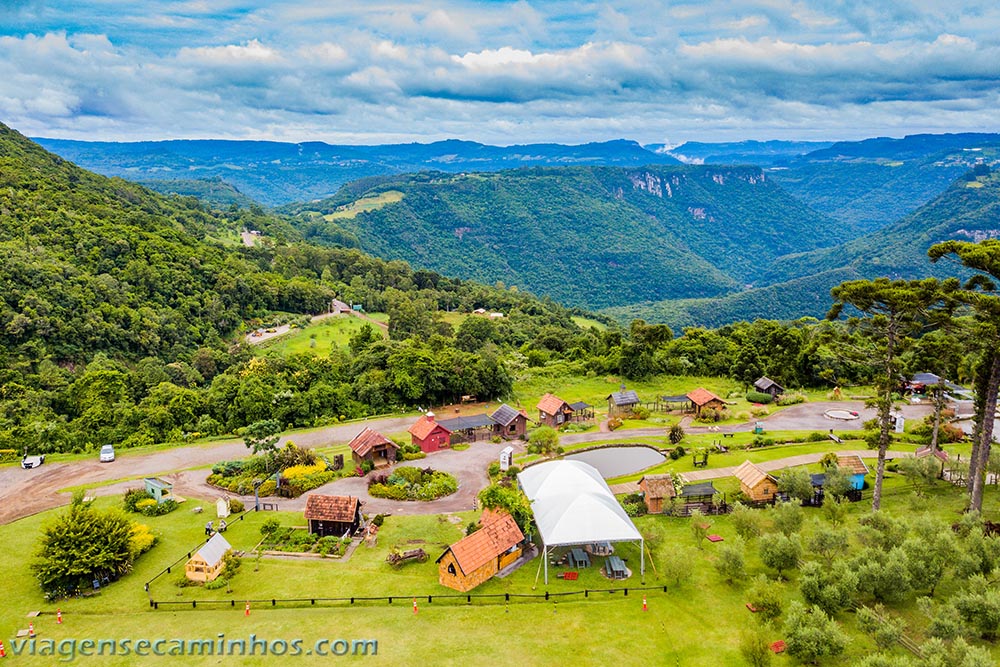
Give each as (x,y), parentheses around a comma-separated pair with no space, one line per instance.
(573,505)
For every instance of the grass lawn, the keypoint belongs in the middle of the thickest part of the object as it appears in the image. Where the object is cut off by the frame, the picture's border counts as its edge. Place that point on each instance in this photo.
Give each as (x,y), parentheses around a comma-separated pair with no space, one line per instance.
(587,323)
(696,622)
(370,203)
(319,338)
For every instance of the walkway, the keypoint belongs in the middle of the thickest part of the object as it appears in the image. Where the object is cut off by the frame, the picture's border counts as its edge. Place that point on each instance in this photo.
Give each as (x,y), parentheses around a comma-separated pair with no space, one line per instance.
(788,462)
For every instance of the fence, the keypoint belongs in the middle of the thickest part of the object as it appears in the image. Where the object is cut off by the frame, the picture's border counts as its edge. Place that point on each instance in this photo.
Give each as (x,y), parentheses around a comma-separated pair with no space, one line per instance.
(446,598)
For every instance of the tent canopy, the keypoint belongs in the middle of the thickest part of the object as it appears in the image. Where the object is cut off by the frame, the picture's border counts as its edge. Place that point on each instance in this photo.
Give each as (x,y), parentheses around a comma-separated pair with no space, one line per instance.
(572,504)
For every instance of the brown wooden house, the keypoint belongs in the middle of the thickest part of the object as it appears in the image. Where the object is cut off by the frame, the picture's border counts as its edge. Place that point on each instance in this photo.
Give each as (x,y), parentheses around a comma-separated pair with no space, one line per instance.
(703,398)
(429,435)
(207,563)
(477,557)
(756,484)
(766,385)
(553,411)
(372,446)
(333,515)
(657,490)
(621,403)
(509,424)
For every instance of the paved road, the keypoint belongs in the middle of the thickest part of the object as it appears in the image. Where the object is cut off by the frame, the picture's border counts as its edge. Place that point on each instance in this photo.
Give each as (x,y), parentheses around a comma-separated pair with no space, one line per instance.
(27,492)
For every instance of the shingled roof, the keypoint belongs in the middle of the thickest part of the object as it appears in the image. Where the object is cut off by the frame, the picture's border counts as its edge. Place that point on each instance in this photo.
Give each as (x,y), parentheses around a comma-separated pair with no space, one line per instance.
(331,508)
(751,475)
(853,463)
(365,441)
(551,404)
(702,396)
(214,550)
(425,426)
(498,534)
(764,383)
(659,486)
(505,414)
(624,397)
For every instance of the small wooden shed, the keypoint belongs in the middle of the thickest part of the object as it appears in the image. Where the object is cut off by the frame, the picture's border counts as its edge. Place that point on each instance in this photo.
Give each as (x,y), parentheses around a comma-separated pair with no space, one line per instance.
(553,411)
(621,403)
(207,563)
(429,435)
(370,445)
(703,398)
(333,515)
(856,468)
(160,489)
(766,385)
(756,484)
(655,490)
(509,423)
(477,557)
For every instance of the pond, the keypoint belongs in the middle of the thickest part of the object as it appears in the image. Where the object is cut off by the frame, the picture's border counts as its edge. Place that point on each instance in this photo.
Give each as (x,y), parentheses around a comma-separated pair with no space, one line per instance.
(617,461)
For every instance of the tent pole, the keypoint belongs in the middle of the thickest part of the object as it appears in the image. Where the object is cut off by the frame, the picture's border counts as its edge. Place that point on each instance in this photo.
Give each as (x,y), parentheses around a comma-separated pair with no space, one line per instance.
(545,562)
(642,559)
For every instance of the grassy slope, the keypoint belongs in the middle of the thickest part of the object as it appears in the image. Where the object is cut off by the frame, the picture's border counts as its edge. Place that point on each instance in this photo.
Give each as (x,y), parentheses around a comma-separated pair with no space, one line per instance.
(329,332)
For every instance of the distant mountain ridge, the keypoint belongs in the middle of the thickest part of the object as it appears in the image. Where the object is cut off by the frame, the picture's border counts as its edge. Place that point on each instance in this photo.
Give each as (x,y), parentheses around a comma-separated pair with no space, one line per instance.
(276,173)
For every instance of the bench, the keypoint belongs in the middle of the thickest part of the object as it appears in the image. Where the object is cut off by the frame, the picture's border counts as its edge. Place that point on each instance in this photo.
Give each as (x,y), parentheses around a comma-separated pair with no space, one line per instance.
(728,435)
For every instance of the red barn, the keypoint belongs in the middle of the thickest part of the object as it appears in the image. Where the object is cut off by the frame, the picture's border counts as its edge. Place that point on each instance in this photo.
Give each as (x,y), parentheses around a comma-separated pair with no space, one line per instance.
(429,435)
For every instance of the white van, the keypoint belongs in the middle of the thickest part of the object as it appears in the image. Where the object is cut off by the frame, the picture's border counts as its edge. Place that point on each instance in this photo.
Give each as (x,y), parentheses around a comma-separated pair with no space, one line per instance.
(107,454)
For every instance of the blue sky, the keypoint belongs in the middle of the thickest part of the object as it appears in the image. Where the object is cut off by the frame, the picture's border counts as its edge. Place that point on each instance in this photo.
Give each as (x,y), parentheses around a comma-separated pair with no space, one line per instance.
(498,72)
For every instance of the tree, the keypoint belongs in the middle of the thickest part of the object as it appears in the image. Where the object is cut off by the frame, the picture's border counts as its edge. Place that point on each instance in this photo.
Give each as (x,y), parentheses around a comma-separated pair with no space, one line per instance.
(746,521)
(730,562)
(261,437)
(765,598)
(797,483)
(676,434)
(895,309)
(985,258)
(830,588)
(837,482)
(747,366)
(787,517)
(543,440)
(699,529)
(921,472)
(884,629)
(678,564)
(828,543)
(83,545)
(978,605)
(755,645)
(810,634)
(958,653)
(511,500)
(885,575)
(780,552)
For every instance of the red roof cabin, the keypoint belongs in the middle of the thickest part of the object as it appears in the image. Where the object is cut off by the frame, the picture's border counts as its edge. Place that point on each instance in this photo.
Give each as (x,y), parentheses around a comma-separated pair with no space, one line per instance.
(429,435)
(481,555)
(553,411)
(703,398)
(333,515)
(372,446)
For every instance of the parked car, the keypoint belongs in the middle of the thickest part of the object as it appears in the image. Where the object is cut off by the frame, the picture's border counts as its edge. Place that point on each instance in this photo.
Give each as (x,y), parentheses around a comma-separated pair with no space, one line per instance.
(107,454)
(32,461)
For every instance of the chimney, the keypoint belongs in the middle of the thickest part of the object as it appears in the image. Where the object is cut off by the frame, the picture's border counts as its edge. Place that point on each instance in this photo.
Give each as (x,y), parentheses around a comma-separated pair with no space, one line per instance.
(430,416)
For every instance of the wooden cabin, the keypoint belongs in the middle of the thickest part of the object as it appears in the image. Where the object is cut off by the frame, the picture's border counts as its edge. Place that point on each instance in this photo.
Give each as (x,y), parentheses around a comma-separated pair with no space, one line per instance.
(372,446)
(703,398)
(766,385)
(657,490)
(856,468)
(333,515)
(621,403)
(553,411)
(160,489)
(478,557)
(429,435)
(509,424)
(756,484)
(207,563)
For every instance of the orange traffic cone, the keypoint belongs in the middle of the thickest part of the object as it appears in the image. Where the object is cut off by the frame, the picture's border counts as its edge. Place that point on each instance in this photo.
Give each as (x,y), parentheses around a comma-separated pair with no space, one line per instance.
(59,616)
(31,629)
(644,607)
(3,653)
(246,610)
(414,605)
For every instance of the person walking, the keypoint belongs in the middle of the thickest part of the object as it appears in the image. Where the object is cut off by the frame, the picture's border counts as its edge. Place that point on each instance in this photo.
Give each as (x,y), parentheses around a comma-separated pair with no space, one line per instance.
(208,528)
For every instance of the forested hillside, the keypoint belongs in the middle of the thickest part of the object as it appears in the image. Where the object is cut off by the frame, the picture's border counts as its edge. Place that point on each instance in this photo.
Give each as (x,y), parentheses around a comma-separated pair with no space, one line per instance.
(589,236)
(119,312)
(275,173)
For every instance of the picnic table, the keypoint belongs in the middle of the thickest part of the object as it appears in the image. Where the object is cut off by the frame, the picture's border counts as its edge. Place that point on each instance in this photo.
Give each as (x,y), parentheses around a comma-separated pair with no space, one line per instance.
(579,558)
(601,549)
(615,568)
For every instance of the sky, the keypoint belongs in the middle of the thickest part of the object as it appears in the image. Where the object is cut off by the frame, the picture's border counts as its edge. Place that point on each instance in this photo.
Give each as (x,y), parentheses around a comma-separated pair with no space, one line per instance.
(498,72)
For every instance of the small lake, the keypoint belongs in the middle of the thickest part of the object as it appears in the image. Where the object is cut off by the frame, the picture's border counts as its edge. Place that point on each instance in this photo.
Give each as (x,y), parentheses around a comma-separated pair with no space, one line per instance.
(617,461)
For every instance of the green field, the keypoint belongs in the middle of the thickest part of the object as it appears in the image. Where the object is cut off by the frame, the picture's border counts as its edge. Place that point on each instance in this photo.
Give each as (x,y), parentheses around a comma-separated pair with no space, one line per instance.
(587,323)
(695,622)
(365,204)
(319,338)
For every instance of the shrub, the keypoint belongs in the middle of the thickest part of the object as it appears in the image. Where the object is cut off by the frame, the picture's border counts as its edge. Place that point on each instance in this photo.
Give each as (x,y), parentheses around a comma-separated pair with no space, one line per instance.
(267,488)
(141,505)
(236,505)
(816,436)
(790,399)
(299,471)
(378,520)
(494,469)
(759,410)
(8,455)
(759,397)
(614,423)
(709,416)
(640,412)
(513,472)
(677,453)
(269,527)
(133,496)
(142,540)
(676,435)
(156,509)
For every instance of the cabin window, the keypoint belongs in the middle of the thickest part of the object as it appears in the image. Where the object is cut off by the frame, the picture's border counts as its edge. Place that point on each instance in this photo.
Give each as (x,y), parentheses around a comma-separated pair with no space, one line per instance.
(512,428)
(451,569)
(559,418)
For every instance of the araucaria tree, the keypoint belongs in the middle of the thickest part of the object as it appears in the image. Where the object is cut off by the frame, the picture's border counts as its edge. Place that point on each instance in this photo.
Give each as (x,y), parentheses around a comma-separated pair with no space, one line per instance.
(894,309)
(978,293)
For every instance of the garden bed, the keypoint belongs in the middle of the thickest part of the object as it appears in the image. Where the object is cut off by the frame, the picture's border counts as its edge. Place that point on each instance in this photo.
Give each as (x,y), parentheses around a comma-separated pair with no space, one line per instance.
(300,542)
(408,483)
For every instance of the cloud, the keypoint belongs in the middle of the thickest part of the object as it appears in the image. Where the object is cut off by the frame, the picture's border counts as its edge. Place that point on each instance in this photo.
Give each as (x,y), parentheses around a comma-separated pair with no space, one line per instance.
(498,71)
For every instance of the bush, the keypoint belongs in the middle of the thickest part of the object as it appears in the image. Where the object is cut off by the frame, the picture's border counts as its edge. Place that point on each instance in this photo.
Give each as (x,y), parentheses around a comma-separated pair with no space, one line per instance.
(759,411)
(269,527)
(141,505)
(790,399)
(816,436)
(267,488)
(378,520)
(236,505)
(142,540)
(677,453)
(614,423)
(676,435)
(494,469)
(709,416)
(8,455)
(155,508)
(759,397)
(640,412)
(300,471)
(133,496)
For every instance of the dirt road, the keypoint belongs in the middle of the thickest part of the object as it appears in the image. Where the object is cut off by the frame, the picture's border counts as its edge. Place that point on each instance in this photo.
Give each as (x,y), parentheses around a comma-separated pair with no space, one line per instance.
(27,492)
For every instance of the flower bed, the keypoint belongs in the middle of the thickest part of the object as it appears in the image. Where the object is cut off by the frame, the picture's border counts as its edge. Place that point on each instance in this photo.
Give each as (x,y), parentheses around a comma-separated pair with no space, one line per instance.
(299,540)
(301,471)
(406,483)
